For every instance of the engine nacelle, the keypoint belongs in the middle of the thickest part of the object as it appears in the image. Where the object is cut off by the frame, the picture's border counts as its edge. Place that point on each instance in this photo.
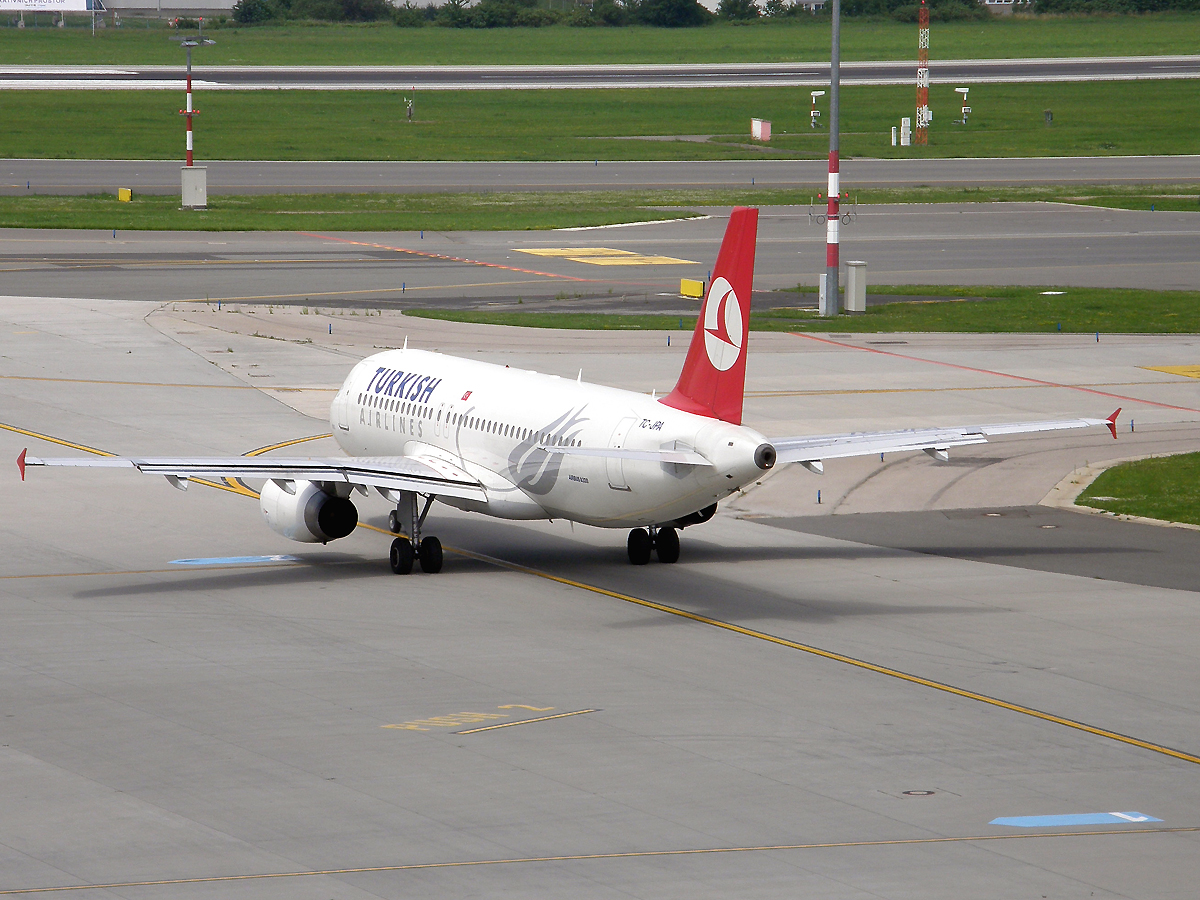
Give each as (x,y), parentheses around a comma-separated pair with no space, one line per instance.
(303,512)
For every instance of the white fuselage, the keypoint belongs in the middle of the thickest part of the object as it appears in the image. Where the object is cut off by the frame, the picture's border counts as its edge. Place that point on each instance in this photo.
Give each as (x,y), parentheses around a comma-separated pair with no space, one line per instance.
(495,422)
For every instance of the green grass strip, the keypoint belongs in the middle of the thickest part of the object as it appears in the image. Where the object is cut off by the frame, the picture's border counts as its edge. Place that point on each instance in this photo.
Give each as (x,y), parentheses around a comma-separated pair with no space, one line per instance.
(965,309)
(330,212)
(510,211)
(592,125)
(1166,489)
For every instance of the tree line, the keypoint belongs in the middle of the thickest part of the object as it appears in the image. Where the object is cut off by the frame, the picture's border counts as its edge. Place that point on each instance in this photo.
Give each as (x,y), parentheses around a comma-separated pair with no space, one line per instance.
(656,13)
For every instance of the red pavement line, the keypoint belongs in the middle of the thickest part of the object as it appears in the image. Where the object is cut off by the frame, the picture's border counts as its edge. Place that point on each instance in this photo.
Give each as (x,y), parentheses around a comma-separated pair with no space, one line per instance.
(460,259)
(1037,381)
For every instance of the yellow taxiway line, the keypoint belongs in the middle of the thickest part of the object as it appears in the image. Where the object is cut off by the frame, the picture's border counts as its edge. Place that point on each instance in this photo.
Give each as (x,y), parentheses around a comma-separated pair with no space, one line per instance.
(841,658)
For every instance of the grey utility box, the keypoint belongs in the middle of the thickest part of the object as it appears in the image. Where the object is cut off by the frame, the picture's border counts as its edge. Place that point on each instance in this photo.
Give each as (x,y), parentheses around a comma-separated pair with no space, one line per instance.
(195,187)
(856,286)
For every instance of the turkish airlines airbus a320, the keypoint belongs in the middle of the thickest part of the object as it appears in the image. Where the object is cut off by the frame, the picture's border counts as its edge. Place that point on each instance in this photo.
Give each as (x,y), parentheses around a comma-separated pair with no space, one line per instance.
(419,426)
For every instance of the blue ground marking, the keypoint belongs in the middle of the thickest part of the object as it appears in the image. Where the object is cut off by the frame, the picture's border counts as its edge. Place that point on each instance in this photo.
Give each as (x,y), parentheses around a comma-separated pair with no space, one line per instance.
(1109,818)
(234,560)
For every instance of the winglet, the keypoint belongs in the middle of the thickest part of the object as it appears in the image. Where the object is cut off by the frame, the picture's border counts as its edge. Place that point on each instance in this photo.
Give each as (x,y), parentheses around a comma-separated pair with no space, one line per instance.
(21,462)
(1112,422)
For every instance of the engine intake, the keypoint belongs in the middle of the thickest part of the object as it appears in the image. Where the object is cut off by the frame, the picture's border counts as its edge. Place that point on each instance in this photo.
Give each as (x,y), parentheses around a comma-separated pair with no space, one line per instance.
(301,511)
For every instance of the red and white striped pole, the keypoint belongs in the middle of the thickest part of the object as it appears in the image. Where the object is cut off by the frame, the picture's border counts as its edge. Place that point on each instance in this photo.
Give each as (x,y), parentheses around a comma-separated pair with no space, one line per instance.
(188,43)
(188,111)
(923,116)
(833,211)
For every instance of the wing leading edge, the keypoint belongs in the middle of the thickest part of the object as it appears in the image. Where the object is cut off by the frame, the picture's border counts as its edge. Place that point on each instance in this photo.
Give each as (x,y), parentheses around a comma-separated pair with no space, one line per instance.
(395,473)
(811,450)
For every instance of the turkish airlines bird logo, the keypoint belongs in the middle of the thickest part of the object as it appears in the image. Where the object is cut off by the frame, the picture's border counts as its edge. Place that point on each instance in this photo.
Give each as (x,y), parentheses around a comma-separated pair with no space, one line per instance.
(723,325)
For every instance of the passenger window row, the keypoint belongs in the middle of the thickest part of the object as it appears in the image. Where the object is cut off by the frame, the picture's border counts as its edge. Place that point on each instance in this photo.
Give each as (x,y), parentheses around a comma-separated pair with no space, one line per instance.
(488,426)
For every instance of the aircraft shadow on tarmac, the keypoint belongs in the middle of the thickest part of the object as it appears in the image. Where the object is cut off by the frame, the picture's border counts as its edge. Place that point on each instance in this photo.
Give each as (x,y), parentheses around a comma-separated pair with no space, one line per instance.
(694,588)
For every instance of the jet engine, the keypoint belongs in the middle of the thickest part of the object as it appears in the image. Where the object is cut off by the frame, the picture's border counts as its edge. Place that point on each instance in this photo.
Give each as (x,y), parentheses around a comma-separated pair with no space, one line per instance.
(300,510)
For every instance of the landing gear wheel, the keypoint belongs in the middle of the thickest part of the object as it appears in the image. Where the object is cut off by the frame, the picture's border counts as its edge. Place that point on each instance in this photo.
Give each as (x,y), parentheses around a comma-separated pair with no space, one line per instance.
(639,546)
(393,522)
(431,556)
(401,556)
(666,545)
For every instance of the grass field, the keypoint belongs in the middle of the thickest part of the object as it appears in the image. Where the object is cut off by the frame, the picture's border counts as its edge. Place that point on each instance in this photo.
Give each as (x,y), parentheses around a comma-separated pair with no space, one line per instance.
(340,212)
(550,125)
(498,211)
(1005,309)
(1167,489)
(801,39)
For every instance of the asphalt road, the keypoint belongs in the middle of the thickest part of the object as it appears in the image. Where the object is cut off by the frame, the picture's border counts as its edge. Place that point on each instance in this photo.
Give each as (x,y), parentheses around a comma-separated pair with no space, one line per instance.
(1028,537)
(1019,243)
(426,78)
(83,176)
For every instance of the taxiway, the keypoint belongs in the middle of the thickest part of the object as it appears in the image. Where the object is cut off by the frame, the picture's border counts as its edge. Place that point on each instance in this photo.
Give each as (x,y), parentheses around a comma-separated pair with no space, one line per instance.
(835,706)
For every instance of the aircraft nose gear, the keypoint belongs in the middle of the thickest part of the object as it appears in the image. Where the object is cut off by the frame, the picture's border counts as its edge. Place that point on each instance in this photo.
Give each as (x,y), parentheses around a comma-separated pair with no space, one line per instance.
(427,551)
(662,540)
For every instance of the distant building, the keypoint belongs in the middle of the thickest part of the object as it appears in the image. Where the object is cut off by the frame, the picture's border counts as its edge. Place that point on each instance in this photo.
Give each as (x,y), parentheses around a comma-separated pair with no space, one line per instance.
(170,9)
(1005,7)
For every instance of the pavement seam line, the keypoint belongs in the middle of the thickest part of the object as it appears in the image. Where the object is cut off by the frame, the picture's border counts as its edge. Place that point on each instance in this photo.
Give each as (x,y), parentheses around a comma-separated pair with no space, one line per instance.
(576,712)
(584,857)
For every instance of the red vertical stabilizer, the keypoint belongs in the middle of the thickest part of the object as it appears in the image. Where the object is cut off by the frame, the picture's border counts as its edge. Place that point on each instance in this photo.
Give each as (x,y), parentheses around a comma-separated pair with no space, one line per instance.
(713,379)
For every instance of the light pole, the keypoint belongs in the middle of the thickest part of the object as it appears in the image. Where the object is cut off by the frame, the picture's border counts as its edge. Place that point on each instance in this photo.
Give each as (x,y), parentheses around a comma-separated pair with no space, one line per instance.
(188,43)
(833,213)
(195,182)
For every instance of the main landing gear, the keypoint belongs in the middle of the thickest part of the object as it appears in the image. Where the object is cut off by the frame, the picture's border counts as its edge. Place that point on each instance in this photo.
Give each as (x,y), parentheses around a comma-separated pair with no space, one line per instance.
(662,539)
(407,550)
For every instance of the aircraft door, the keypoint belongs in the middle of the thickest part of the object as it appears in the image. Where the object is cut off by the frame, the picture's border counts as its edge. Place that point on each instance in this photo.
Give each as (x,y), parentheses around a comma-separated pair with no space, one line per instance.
(341,406)
(616,467)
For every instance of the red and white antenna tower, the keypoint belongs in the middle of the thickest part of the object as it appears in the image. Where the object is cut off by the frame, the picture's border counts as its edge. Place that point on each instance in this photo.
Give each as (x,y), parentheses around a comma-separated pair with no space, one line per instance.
(923,115)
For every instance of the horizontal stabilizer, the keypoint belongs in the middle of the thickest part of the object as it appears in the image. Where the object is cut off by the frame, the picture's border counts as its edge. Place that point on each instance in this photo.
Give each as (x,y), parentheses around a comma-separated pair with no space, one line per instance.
(814,448)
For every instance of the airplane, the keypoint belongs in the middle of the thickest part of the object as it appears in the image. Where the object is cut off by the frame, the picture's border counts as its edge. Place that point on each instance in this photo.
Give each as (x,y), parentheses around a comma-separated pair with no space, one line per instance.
(420,426)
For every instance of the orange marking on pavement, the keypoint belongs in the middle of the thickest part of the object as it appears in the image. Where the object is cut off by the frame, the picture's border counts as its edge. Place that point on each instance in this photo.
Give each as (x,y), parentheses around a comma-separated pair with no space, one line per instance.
(430,255)
(1024,378)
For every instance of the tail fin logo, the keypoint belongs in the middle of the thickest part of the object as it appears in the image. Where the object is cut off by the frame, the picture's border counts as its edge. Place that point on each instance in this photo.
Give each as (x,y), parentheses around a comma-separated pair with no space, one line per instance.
(723,325)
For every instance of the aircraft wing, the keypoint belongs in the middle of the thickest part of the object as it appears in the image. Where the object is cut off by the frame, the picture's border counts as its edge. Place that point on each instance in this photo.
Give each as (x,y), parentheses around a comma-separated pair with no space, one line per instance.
(812,449)
(431,476)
